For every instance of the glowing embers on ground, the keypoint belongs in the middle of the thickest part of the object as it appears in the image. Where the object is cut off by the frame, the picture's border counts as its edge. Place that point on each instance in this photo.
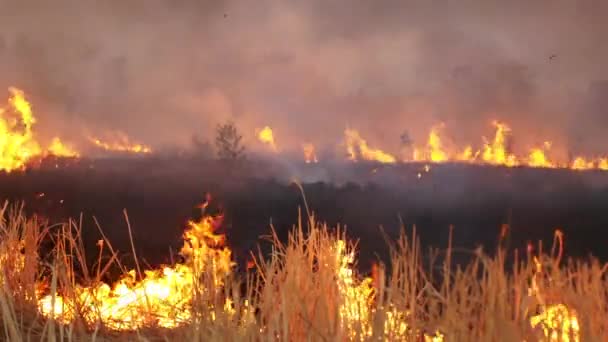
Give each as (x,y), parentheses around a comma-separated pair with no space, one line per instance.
(119,142)
(18,143)
(266,136)
(160,298)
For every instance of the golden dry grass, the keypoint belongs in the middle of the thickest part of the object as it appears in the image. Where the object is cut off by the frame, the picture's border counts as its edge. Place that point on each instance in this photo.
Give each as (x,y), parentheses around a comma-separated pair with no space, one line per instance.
(307,290)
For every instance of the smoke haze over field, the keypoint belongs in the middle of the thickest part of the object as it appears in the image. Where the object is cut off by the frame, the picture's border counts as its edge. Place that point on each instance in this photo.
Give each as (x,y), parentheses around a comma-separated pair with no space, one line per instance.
(164,70)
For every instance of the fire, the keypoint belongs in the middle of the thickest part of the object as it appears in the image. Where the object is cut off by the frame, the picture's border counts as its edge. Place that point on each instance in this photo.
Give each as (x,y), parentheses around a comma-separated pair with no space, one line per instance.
(357,146)
(310,155)
(18,144)
(161,297)
(266,136)
(59,149)
(496,152)
(537,157)
(120,143)
(434,151)
(356,295)
(437,154)
(558,323)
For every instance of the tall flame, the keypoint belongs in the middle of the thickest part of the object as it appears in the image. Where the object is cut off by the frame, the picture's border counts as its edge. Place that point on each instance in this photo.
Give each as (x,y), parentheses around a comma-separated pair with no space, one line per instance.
(17,143)
(437,154)
(496,152)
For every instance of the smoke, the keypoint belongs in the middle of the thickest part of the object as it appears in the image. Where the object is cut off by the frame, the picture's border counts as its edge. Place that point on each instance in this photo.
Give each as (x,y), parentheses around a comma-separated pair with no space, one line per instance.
(163,70)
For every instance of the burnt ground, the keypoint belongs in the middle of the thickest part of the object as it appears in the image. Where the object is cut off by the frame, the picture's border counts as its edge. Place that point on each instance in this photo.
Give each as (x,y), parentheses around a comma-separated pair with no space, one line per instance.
(160,195)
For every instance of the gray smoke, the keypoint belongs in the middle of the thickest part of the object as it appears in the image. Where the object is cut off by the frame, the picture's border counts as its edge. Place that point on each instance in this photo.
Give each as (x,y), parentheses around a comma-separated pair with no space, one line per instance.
(163,70)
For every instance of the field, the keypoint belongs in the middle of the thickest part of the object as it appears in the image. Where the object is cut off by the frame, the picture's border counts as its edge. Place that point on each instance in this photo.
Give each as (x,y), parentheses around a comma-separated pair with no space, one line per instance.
(296,277)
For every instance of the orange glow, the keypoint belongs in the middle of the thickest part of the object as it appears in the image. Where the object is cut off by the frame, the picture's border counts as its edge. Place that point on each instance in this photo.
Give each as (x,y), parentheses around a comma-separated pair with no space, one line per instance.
(357,147)
(437,154)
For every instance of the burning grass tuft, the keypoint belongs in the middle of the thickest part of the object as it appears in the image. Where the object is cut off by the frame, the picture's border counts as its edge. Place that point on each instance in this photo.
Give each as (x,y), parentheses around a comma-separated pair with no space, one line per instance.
(307,289)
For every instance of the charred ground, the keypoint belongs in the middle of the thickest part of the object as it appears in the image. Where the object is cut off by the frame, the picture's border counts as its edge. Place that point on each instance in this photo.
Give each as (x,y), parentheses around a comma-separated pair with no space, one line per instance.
(160,195)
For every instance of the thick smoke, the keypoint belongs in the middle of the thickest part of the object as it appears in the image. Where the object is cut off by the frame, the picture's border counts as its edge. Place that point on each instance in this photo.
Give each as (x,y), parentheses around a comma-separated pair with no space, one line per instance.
(162,71)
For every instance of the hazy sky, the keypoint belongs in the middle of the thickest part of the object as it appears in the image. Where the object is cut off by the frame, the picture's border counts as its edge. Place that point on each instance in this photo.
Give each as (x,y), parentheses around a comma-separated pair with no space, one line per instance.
(164,70)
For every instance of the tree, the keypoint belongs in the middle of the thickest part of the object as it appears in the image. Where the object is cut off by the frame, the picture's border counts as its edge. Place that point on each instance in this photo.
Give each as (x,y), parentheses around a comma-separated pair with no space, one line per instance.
(228,142)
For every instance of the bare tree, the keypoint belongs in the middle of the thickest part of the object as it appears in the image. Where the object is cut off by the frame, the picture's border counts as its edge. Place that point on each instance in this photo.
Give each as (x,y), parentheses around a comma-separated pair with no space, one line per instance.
(228,142)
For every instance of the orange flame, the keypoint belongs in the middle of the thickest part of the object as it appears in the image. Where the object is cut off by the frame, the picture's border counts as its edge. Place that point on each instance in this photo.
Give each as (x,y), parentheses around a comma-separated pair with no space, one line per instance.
(18,144)
(355,145)
(537,157)
(120,142)
(161,298)
(59,149)
(496,152)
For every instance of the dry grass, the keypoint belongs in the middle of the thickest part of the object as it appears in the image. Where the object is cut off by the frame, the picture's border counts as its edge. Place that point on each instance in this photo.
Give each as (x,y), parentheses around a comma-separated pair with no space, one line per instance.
(305,291)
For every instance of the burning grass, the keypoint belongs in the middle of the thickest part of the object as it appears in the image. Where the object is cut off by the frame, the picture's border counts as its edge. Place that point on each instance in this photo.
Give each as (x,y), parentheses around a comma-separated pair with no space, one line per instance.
(307,289)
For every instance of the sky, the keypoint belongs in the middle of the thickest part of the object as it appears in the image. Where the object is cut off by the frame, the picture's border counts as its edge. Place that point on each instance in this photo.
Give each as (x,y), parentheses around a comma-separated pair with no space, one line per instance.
(164,70)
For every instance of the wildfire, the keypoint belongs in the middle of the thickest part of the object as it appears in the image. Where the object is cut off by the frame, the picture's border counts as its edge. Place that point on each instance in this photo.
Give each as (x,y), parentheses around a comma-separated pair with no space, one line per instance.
(496,151)
(434,148)
(266,136)
(120,143)
(310,155)
(537,157)
(357,147)
(18,144)
(161,298)
(59,149)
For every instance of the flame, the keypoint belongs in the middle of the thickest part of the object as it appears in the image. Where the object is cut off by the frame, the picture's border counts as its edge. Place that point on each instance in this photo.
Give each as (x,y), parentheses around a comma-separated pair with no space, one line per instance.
(120,143)
(355,145)
(558,323)
(266,136)
(59,149)
(310,155)
(161,298)
(467,155)
(17,143)
(437,154)
(537,157)
(496,152)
